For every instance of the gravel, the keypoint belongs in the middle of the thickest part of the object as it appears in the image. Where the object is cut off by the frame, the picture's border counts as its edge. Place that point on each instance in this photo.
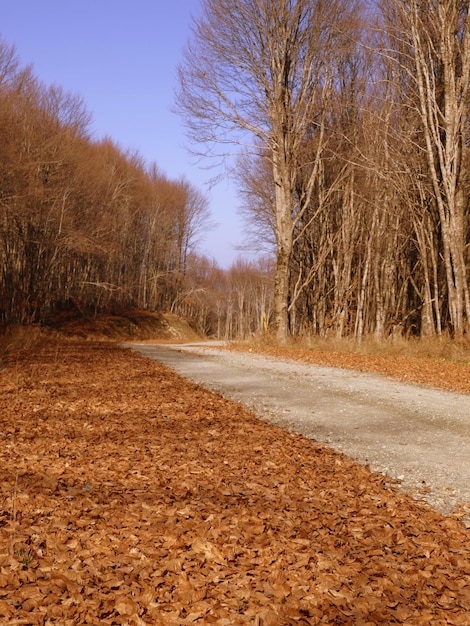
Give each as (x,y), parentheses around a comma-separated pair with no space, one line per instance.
(417,436)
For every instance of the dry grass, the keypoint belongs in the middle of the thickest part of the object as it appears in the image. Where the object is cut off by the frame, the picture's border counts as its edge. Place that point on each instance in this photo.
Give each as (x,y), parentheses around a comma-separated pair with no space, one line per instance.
(442,347)
(16,338)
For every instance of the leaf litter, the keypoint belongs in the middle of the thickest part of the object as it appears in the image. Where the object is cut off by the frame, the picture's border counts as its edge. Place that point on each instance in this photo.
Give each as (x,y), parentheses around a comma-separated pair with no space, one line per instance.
(129,495)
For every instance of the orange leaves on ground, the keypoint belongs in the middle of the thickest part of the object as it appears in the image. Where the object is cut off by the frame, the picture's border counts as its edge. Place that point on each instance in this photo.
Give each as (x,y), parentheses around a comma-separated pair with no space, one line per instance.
(129,496)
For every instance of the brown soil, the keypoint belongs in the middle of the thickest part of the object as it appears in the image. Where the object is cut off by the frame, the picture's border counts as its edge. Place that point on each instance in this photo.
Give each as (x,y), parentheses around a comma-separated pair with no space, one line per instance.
(128,324)
(131,496)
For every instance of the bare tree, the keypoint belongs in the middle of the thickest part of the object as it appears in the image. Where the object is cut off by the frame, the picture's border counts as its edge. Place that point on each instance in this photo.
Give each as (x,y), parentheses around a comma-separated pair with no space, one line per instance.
(82,222)
(431,43)
(257,208)
(261,70)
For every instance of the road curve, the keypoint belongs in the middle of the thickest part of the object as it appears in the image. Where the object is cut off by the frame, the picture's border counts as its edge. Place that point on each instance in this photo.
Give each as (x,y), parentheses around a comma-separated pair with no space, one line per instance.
(416,435)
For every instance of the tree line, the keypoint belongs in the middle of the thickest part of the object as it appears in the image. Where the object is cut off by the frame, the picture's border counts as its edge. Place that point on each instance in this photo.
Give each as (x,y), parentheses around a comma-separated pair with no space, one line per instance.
(228,304)
(350,122)
(88,226)
(83,223)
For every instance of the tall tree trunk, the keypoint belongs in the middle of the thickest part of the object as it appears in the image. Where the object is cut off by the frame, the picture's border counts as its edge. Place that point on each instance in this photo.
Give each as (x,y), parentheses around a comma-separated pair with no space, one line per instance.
(441,49)
(284,198)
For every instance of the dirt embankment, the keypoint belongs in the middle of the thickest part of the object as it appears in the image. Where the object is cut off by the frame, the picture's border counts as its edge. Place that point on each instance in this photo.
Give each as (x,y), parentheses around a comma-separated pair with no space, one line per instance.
(131,496)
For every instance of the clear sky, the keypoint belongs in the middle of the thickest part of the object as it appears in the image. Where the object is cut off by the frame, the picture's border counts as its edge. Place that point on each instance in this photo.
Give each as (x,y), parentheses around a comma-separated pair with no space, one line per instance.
(120,56)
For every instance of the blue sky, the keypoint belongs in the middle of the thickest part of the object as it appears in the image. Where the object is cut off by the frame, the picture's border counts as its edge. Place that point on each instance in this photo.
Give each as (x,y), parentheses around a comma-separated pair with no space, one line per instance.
(121,57)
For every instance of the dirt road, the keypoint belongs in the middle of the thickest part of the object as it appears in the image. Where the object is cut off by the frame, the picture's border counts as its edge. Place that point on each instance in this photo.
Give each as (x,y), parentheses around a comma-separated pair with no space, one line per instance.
(416,435)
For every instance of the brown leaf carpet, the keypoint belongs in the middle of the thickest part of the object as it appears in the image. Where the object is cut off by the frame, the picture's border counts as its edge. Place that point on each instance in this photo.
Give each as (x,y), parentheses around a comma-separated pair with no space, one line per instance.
(130,496)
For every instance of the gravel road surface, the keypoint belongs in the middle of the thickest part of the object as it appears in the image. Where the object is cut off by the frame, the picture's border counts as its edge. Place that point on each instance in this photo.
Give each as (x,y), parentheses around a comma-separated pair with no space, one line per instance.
(418,436)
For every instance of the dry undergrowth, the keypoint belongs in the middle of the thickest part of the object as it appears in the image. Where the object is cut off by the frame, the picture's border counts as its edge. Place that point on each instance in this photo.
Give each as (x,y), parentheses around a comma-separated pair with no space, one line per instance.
(131,496)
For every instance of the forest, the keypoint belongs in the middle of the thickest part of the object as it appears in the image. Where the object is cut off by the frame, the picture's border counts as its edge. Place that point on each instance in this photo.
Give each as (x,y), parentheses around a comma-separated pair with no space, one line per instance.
(355,187)
(88,227)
